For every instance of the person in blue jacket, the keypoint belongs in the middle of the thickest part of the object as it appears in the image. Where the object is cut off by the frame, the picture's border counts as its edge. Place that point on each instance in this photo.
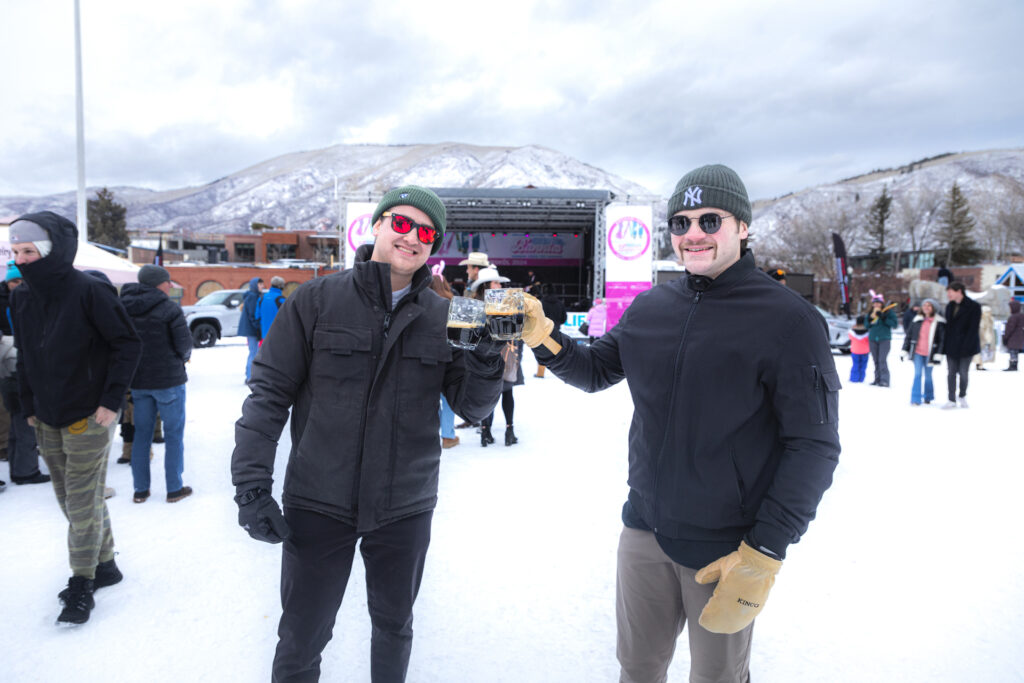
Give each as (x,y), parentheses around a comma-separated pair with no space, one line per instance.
(269,304)
(249,324)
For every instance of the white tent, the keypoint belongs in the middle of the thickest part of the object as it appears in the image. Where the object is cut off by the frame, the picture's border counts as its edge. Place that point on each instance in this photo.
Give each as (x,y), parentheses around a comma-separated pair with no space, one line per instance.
(119,270)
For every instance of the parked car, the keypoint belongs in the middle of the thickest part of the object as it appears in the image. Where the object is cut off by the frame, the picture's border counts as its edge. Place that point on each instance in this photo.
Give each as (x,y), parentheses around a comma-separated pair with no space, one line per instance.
(838,330)
(214,316)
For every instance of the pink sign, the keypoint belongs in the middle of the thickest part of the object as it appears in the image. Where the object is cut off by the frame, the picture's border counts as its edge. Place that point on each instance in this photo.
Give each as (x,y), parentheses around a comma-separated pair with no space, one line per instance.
(360,231)
(619,296)
(629,238)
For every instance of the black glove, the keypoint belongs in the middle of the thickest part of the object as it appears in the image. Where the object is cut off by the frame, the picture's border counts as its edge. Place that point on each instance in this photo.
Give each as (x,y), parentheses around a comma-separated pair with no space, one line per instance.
(259,514)
(488,345)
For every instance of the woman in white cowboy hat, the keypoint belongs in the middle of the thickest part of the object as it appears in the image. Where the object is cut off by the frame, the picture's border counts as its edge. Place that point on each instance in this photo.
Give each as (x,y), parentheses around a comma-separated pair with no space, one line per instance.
(490,279)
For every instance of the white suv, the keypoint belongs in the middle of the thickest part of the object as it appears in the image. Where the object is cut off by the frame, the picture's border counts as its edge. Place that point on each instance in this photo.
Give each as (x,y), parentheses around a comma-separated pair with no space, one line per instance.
(214,316)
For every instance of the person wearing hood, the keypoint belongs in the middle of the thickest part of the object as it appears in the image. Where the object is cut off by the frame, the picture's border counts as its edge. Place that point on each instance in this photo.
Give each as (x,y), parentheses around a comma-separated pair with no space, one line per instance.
(249,324)
(77,353)
(159,382)
(923,344)
(1013,335)
(357,360)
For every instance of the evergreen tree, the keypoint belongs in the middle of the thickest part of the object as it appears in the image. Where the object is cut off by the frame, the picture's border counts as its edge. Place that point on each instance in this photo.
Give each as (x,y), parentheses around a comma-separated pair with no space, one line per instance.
(955,230)
(107,223)
(878,216)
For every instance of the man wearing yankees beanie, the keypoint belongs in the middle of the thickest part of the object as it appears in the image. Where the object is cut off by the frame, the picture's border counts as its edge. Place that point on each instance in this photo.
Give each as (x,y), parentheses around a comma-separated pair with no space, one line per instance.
(733,441)
(359,358)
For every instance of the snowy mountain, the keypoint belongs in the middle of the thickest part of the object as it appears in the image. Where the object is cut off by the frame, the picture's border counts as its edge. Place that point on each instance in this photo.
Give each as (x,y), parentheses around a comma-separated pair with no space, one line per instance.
(298,189)
(992,181)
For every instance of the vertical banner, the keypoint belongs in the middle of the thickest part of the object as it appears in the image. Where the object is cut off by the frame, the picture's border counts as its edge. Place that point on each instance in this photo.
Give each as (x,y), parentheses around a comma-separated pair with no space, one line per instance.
(358,229)
(629,250)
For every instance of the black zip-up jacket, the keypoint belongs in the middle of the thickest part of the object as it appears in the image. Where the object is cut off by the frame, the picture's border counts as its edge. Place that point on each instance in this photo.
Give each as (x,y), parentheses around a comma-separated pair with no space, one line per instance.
(735,405)
(363,383)
(166,341)
(962,322)
(77,349)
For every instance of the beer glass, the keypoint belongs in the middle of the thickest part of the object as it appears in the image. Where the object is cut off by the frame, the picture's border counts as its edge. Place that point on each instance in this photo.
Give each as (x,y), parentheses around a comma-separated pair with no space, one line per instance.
(466,319)
(505,313)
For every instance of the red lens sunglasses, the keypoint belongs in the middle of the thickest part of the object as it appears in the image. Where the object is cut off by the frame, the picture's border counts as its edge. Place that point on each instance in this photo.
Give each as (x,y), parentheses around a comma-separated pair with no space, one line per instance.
(403,224)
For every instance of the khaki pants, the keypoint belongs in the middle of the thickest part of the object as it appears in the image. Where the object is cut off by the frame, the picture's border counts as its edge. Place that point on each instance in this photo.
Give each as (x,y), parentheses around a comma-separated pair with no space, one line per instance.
(77,459)
(654,598)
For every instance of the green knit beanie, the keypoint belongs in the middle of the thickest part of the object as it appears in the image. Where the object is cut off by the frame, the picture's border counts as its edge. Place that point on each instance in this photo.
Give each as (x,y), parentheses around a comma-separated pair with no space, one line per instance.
(714,186)
(423,199)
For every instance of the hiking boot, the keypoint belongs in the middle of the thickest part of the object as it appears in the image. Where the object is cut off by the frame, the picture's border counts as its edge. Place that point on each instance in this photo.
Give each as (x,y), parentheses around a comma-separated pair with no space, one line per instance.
(510,436)
(37,478)
(140,496)
(78,601)
(485,436)
(107,574)
(183,492)
(449,443)
(126,454)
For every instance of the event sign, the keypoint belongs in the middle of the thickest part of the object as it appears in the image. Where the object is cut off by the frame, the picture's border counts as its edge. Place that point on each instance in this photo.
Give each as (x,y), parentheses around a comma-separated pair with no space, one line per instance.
(629,252)
(358,229)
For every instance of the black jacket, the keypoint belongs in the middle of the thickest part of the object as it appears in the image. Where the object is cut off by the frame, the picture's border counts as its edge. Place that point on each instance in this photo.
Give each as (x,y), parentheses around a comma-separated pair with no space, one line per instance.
(363,383)
(166,341)
(77,349)
(735,405)
(962,339)
(937,332)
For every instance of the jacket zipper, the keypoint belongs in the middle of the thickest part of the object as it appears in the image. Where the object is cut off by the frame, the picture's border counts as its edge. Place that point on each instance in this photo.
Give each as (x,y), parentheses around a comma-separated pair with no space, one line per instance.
(671,403)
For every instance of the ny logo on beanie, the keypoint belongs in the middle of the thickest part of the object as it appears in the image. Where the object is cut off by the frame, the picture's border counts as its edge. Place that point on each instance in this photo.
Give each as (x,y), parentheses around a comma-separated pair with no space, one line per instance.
(692,197)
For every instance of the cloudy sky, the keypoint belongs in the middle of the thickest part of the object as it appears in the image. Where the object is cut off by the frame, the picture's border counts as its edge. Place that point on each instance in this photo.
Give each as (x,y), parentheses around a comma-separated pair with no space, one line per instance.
(791,94)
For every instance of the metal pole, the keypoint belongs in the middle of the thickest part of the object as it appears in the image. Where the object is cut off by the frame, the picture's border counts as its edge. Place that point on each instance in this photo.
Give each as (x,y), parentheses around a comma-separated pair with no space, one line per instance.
(82,219)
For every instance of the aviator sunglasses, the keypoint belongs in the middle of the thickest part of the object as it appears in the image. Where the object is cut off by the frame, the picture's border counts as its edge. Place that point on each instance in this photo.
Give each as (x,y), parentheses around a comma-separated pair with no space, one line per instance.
(708,222)
(403,224)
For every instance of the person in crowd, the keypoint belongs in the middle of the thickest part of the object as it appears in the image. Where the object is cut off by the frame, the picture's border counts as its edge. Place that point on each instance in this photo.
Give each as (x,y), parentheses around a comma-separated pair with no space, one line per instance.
(449,439)
(944,275)
(512,353)
(159,382)
(23,453)
(554,309)
(597,319)
(986,339)
(475,262)
(249,324)
(77,352)
(269,304)
(356,360)
(5,331)
(1013,335)
(860,348)
(779,275)
(963,318)
(909,315)
(881,321)
(732,444)
(923,344)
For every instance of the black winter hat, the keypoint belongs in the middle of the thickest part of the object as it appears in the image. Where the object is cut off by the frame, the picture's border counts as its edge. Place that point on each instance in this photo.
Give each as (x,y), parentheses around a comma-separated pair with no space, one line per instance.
(710,186)
(423,199)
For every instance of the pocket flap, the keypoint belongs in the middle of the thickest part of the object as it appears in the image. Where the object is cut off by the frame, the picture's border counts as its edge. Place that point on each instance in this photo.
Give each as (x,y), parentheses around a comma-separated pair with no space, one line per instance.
(342,340)
(430,350)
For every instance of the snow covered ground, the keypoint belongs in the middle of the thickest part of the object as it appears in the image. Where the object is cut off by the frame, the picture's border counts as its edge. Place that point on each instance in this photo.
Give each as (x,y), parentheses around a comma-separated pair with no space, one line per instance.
(912,571)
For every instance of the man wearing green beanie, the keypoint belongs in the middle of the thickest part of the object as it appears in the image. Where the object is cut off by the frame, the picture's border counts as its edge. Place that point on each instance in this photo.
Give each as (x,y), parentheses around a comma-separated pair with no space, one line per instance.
(358,358)
(733,442)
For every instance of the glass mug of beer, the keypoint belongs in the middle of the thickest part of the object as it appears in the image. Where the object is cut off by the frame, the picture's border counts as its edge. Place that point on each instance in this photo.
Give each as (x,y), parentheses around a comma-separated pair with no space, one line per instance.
(505,313)
(466,319)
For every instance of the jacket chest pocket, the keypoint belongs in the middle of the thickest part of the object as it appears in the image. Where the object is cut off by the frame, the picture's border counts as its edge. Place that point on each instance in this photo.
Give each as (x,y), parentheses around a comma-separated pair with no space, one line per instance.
(342,354)
(424,361)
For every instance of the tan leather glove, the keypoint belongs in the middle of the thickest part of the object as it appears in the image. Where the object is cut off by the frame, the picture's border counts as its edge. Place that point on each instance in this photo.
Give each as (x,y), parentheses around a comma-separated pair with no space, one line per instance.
(537,327)
(744,578)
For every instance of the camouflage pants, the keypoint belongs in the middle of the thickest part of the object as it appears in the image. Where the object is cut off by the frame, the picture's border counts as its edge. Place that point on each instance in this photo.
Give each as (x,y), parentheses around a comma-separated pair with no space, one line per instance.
(77,459)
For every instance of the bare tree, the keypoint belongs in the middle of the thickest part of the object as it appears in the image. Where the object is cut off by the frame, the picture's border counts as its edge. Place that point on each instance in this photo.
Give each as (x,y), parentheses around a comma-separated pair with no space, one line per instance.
(915,216)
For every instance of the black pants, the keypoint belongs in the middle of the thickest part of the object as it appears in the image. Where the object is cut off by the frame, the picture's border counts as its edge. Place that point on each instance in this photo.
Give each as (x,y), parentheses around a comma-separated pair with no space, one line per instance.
(315,566)
(957,366)
(508,406)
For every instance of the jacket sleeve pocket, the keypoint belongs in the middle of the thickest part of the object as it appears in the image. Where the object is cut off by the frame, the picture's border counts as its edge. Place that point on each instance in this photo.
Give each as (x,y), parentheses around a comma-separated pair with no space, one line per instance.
(826,386)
